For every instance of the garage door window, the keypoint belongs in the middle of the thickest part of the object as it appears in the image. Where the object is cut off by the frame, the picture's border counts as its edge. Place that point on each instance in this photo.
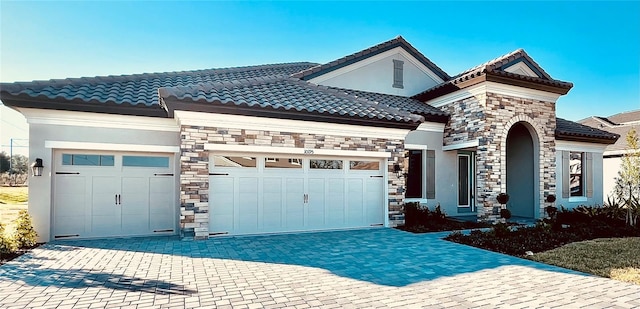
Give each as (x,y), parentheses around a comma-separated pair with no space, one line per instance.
(228,161)
(283,163)
(145,161)
(364,165)
(87,160)
(326,164)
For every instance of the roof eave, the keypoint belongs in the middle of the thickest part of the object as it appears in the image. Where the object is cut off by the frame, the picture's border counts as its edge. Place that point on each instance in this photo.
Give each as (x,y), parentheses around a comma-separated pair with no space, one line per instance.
(468,81)
(174,104)
(586,139)
(83,106)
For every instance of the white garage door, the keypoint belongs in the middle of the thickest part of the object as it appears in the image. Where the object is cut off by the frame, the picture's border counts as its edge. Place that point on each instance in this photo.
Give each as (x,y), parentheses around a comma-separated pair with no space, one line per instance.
(101,194)
(259,194)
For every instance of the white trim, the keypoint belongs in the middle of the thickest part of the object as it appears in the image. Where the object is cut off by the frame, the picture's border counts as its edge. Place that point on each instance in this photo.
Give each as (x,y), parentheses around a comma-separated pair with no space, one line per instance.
(431,127)
(463,145)
(522,69)
(415,146)
(296,151)
(575,199)
(109,146)
(285,125)
(375,58)
(496,88)
(579,146)
(87,119)
(619,152)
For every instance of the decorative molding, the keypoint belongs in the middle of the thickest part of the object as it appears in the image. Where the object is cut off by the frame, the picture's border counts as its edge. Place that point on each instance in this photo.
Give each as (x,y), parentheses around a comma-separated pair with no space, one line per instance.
(579,146)
(86,119)
(496,88)
(225,148)
(469,144)
(431,127)
(110,147)
(285,125)
(373,59)
(415,146)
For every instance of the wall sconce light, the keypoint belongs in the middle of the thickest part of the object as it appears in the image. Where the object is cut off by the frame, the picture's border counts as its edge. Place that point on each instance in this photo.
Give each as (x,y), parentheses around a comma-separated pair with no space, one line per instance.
(37,167)
(397,169)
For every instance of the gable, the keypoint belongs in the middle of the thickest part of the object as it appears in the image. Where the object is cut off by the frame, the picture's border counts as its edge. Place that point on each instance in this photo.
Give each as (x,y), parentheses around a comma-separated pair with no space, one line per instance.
(520,68)
(376,74)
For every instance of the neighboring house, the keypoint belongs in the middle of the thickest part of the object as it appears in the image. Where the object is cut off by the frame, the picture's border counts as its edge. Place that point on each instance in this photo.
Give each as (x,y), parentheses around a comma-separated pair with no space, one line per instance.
(619,124)
(301,146)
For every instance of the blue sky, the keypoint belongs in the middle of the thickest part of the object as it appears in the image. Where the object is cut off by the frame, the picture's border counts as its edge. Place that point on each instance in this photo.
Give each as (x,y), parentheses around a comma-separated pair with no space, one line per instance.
(595,45)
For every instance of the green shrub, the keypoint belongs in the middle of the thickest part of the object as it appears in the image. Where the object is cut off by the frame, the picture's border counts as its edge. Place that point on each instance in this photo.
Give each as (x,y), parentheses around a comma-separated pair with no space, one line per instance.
(7,245)
(25,235)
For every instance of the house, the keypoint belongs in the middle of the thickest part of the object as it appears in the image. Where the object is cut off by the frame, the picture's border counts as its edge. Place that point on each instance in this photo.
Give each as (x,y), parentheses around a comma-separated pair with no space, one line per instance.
(301,146)
(619,124)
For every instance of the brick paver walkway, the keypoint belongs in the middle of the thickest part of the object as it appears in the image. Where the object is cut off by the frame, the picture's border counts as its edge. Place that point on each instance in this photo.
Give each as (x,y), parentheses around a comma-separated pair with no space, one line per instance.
(375,268)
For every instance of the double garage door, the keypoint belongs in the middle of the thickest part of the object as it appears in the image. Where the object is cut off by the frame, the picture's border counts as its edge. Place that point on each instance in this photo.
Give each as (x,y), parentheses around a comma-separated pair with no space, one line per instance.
(102,194)
(263,194)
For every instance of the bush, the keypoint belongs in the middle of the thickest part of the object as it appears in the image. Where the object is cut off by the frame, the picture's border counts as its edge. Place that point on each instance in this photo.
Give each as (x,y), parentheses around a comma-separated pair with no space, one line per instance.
(25,235)
(7,245)
(583,223)
(416,215)
(505,213)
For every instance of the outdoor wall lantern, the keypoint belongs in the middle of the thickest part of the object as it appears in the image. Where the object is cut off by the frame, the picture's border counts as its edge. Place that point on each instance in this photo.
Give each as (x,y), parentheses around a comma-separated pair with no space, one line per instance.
(37,167)
(397,169)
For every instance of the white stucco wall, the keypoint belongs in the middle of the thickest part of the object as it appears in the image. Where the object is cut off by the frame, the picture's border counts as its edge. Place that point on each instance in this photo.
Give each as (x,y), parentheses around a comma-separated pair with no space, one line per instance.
(40,188)
(375,74)
(596,169)
(610,168)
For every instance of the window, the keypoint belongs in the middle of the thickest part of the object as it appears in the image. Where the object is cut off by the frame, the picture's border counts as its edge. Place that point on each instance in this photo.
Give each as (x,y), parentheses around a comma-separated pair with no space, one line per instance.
(364,165)
(87,160)
(576,173)
(414,176)
(145,161)
(325,164)
(227,161)
(398,74)
(421,177)
(283,163)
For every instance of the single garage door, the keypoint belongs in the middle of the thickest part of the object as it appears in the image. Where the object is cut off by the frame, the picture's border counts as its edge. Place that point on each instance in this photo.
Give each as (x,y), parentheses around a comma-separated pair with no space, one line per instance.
(261,194)
(103,194)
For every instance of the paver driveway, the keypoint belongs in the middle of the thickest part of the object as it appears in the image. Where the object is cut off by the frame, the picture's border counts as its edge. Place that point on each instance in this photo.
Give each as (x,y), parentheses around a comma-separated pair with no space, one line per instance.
(345,269)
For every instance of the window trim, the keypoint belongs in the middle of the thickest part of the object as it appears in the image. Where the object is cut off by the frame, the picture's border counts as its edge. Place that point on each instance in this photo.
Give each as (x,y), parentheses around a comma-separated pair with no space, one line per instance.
(582,192)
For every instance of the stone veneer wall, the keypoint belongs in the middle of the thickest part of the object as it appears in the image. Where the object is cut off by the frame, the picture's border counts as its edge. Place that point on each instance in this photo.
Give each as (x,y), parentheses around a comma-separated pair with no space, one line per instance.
(194,165)
(487,117)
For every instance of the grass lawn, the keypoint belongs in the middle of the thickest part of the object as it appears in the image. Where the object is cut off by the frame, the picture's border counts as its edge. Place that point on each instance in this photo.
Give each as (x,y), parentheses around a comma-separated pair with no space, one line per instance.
(615,258)
(12,200)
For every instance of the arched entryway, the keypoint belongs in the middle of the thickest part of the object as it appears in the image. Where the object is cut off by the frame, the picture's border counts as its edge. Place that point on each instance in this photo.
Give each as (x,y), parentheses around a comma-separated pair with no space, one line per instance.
(521,178)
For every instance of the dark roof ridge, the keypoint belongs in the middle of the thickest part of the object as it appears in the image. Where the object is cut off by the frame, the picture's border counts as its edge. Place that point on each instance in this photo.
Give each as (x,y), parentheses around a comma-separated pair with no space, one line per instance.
(381,47)
(21,85)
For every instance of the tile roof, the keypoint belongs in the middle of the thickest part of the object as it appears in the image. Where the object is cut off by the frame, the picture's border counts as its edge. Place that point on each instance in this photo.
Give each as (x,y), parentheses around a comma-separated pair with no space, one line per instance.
(138,89)
(404,103)
(496,67)
(374,50)
(619,124)
(287,94)
(569,130)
